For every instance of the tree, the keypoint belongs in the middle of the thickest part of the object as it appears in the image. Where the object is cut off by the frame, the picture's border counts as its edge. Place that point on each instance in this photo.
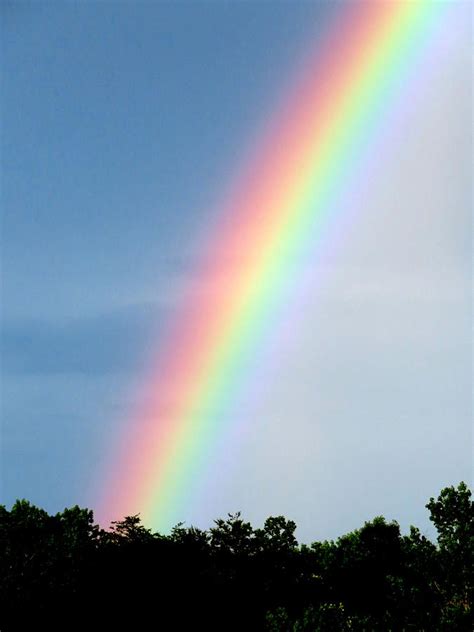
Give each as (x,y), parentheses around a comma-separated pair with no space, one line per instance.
(452,513)
(232,535)
(128,531)
(278,534)
(453,516)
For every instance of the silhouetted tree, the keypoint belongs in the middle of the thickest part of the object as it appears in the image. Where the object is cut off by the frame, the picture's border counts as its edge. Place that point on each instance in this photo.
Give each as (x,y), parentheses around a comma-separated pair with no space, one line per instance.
(62,572)
(452,513)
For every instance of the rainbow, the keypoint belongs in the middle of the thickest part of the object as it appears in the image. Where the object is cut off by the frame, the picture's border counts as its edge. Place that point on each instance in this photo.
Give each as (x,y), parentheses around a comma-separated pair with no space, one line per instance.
(278,208)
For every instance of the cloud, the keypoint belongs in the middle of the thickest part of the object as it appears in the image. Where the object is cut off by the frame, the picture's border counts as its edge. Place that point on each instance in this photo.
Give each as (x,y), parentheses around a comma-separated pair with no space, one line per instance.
(104,343)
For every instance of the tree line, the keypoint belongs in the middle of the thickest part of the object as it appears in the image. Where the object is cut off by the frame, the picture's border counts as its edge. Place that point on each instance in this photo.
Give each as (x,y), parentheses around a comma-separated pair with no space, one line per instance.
(63,572)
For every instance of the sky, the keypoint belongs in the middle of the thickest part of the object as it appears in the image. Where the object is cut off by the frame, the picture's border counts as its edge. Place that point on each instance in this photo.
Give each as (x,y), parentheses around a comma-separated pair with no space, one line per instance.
(122,125)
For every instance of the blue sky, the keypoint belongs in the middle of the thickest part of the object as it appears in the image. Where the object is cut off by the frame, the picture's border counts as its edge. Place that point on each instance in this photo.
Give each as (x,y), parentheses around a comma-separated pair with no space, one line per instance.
(122,124)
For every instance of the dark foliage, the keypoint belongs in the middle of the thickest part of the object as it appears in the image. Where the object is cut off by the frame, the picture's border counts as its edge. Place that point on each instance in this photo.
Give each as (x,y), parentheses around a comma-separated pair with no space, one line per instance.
(63,572)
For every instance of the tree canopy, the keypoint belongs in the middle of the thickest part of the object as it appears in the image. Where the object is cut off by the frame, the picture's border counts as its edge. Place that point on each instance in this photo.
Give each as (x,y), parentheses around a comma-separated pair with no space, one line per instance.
(63,572)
